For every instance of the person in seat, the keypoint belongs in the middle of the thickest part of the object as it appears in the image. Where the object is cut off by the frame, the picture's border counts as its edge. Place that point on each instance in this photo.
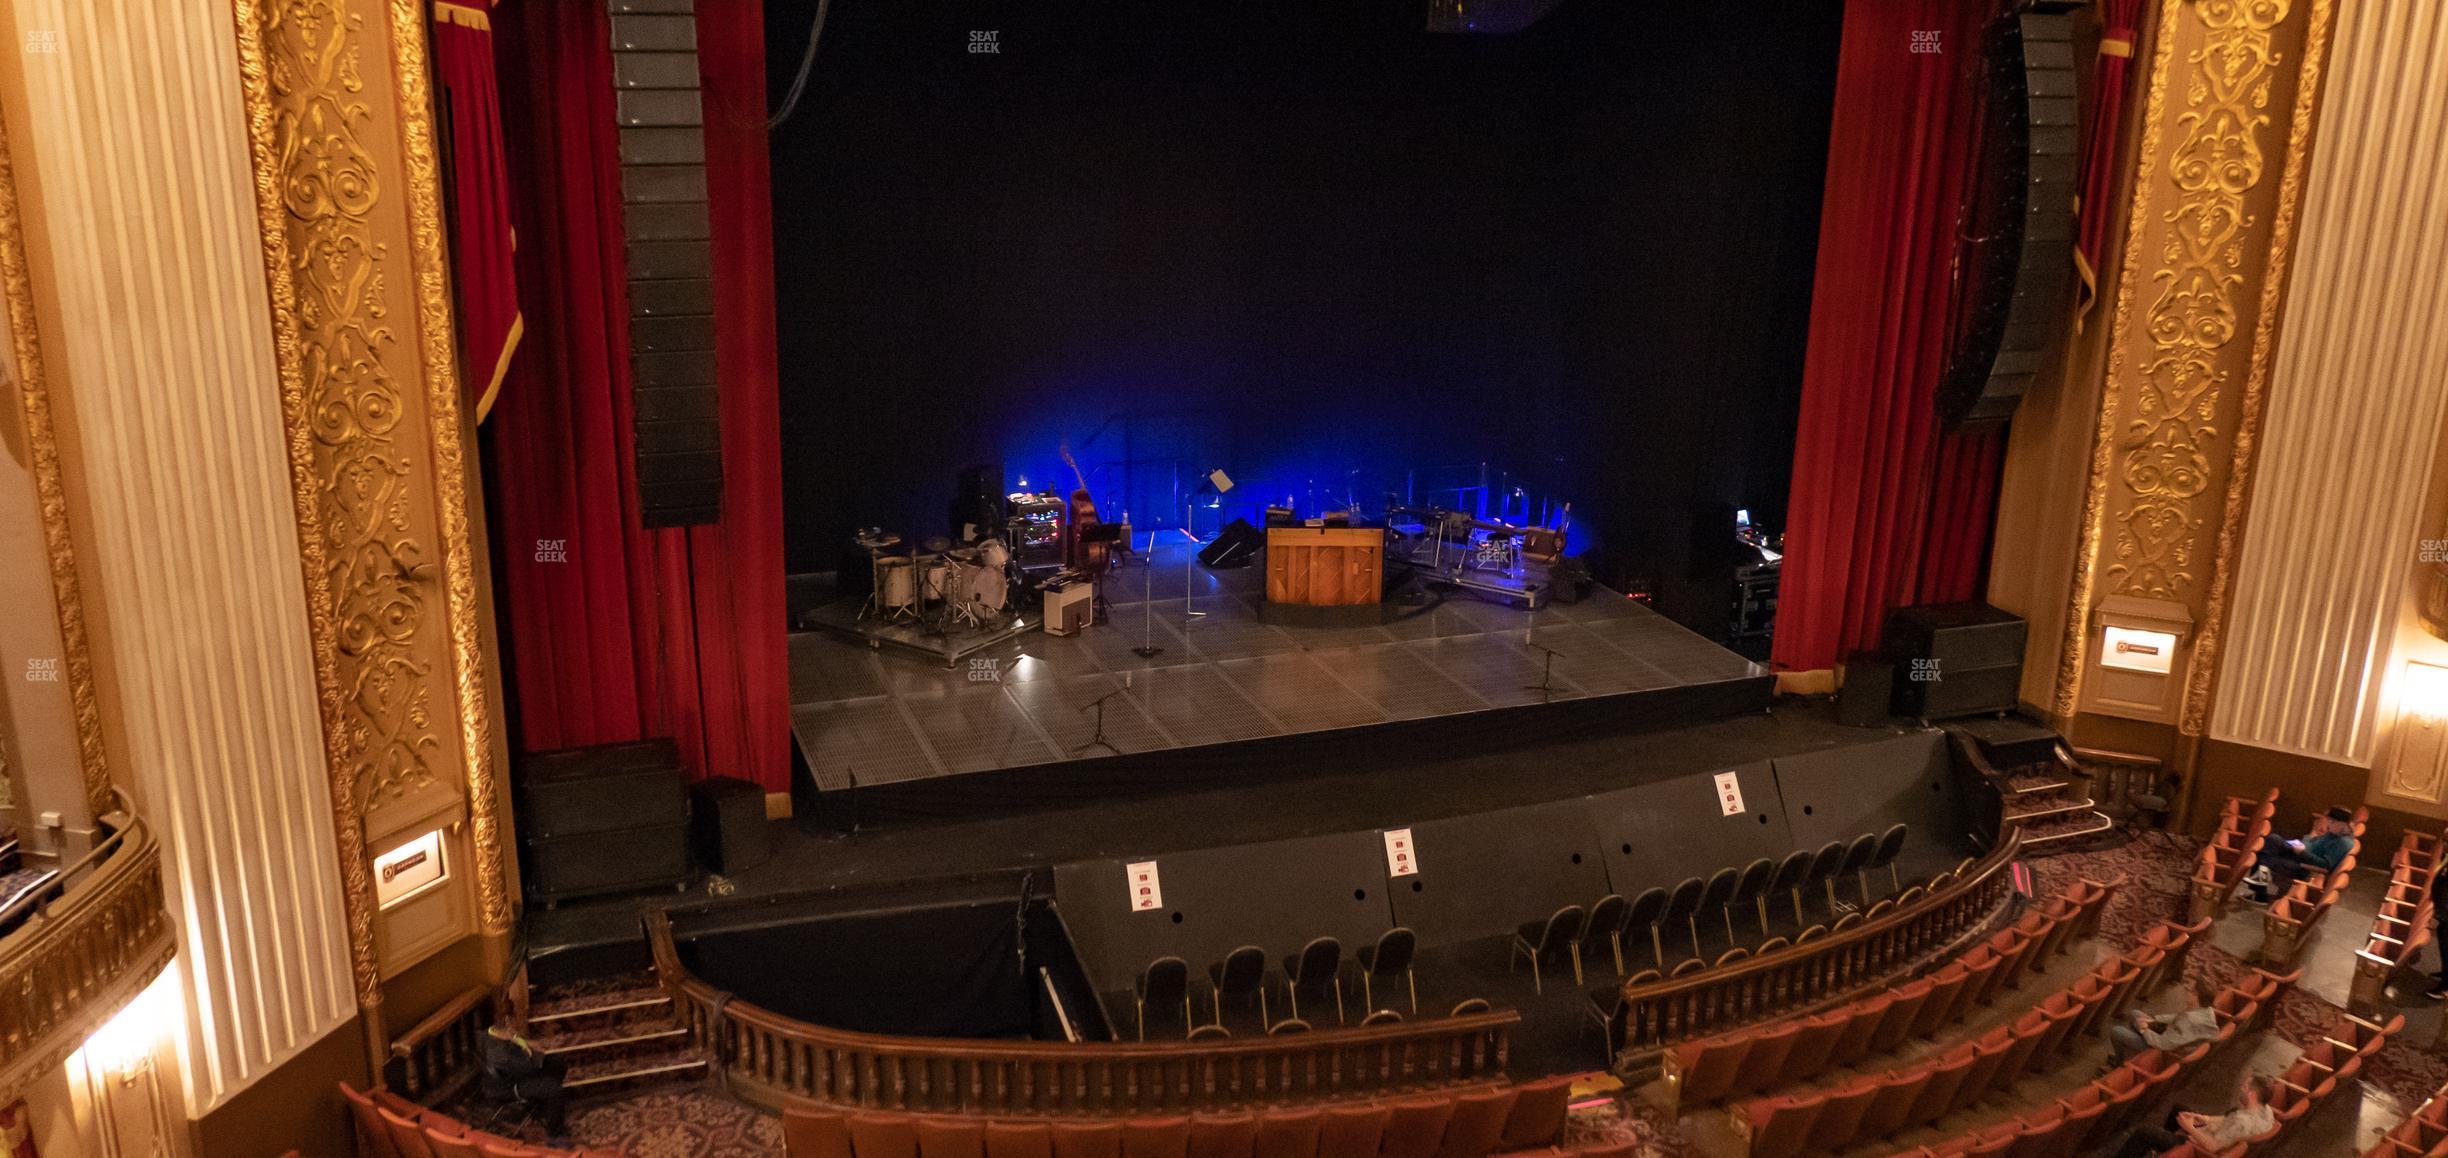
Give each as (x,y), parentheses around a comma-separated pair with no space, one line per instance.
(2196,1022)
(2209,1133)
(516,1071)
(2283,861)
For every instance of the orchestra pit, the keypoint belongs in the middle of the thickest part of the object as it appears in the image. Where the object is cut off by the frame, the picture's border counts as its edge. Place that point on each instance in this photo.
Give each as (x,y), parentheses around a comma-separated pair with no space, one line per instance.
(1301,579)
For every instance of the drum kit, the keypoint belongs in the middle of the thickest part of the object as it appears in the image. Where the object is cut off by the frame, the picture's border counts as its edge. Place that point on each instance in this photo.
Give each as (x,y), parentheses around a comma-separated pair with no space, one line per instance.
(938,586)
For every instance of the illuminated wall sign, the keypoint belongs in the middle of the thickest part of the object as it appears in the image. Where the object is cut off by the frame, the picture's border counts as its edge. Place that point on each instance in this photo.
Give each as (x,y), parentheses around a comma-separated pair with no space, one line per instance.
(409,869)
(2134,649)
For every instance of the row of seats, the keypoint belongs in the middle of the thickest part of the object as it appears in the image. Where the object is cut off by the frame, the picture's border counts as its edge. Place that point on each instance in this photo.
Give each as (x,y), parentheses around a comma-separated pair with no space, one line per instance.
(1316,972)
(2292,919)
(2230,853)
(390,1126)
(1795,1050)
(1876,1105)
(2423,1134)
(2321,1070)
(1463,1124)
(2403,925)
(2089,1118)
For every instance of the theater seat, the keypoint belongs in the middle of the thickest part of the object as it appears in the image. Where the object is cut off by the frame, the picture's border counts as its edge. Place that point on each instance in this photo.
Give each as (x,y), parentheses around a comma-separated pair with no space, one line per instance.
(951,1138)
(1781,1127)
(1770,1045)
(1889,1112)
(1416,1127)
(446,1144)
(1288,1134)
(371,1133)
(1167,1137)
(1083,1140)
(877,1134)
(1477,1124)
(1840,1115)
(407,1135)
(1011,1140)
(1223,1135)
(1617,1150)
(1538,1113)
(1352,1130)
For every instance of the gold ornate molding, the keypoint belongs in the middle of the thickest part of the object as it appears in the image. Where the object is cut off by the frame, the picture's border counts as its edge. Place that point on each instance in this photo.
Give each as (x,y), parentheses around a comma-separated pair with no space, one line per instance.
(2171,457)
(88,954)
(339,123)
(429,256)
(42,442)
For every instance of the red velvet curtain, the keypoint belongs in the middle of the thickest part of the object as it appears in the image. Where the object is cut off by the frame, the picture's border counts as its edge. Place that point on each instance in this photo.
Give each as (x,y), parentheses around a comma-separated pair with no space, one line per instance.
(2120,21)
(1886,510)
(615,632)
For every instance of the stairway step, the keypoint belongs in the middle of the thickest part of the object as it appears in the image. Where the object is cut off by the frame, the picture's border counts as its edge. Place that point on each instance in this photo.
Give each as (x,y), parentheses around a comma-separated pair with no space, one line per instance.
(2033,783)
(2044,809)
(573,1008)
(660,1066)
(2065,827)
(610,1038)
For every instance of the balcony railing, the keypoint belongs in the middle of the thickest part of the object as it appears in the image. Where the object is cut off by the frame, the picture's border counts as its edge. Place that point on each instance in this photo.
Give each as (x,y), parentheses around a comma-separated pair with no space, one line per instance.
(82,946)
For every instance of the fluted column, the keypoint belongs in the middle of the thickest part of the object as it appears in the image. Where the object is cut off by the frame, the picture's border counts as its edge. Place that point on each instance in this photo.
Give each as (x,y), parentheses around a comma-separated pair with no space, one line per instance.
(2322,625)
(133,169)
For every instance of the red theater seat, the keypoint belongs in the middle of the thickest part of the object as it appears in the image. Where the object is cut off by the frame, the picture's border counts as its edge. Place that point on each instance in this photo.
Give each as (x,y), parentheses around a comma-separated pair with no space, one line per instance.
(883,1135)
(1861,1028)
(1012,1140)
(1901,1015)
(372,1135)
(1946,997)
(407,1135)
(1538,1113)
(1770,1045)
(1946,1080)
(1082,1140)
(1352,1130)
(1710,1066)
(1223,1135)
(1841,1114)
(1781,1127)
(1814,1045)
(1890,1111)
(1167,1137)
(1416,1128)
(1288,1134)
(1477,1125)
(951,1138)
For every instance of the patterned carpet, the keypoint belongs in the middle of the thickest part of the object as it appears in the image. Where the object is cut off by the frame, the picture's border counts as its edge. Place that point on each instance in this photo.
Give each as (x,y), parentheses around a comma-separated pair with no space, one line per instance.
(690,1122)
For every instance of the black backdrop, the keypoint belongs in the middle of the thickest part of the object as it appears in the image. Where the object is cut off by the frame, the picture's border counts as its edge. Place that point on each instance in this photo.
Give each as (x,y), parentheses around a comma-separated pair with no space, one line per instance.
(1308,242)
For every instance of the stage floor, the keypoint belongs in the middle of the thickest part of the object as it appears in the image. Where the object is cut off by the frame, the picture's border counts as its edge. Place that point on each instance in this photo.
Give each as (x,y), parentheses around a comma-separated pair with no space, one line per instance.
(866,717)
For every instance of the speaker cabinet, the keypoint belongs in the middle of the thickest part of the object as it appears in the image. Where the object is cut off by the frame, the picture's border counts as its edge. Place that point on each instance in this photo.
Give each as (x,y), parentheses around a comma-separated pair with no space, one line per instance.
(1868,694)
(603,819)
(1234,547)
(1955,659)
(676,416)
(727,828)
(2020,222)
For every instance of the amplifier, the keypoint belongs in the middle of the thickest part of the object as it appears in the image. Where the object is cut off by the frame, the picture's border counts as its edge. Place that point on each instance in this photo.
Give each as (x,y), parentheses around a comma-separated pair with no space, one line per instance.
(601,788)
(1069,605)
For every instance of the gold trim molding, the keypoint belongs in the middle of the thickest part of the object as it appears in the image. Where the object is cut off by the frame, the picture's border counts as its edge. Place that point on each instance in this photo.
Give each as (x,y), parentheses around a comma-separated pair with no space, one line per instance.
(42,442)
(2171,460)
(339,122)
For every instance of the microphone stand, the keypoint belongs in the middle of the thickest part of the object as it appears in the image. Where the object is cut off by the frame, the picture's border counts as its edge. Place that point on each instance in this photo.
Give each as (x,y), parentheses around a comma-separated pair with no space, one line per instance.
(1147,648)
(1189,556)
(1098,740)
(1546,685)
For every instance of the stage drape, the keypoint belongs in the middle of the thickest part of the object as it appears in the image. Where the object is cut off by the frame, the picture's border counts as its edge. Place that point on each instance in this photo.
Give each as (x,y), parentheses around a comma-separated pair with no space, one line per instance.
(2120,22)
(1886,510)
(615,632)
(482,248)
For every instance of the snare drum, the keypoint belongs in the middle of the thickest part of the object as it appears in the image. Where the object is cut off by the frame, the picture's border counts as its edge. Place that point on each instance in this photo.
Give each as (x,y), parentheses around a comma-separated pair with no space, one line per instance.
(896,583)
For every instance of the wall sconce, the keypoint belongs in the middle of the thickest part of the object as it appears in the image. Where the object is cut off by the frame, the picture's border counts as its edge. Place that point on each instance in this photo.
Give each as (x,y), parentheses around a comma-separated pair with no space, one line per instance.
(2426,692)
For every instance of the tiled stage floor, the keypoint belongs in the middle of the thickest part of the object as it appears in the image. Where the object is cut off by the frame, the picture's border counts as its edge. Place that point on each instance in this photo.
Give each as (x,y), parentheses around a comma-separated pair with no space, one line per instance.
(889,716)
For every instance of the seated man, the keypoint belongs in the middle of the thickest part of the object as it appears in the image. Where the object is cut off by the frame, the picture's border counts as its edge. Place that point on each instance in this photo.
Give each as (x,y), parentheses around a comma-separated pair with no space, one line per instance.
(2252,1117)
(2282,861)
(2196,1022)
(516,1071)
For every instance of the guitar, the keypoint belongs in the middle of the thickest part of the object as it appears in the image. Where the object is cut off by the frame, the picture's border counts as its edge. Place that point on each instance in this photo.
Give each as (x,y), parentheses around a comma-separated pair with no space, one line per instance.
(1078,554)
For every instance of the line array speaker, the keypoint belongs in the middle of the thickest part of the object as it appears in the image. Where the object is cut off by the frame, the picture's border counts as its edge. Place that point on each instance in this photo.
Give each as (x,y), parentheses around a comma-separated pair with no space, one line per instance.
(676,415)
(2020,225)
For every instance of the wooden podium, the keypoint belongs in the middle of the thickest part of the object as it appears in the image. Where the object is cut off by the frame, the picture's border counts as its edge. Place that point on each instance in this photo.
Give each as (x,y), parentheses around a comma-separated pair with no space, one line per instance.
(1323,575)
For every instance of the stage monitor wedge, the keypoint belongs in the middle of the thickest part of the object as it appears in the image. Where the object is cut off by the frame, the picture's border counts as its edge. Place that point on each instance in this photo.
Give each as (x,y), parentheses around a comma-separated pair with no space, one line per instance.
(675,416)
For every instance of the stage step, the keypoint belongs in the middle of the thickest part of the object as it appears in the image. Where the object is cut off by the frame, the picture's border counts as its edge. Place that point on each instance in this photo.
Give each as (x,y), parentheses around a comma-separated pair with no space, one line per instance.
(2042,809)
(665,1066)
(574,1046)
(2065,826)
(565,1007)
(2033,783)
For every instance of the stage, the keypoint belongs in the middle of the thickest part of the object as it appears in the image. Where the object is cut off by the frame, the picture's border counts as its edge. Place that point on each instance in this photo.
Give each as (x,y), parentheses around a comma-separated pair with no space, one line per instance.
(906,734)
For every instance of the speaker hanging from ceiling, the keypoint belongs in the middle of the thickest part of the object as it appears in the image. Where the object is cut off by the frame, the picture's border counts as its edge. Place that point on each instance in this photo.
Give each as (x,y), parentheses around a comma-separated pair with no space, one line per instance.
(2014,249)
(675,416)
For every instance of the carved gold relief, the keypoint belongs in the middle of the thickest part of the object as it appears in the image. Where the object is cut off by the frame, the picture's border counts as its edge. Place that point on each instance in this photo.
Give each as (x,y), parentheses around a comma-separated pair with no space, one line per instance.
(2172,455)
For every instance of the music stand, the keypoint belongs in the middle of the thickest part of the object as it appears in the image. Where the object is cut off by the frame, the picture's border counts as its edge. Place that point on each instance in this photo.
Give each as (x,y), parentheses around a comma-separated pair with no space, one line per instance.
(1216,483)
